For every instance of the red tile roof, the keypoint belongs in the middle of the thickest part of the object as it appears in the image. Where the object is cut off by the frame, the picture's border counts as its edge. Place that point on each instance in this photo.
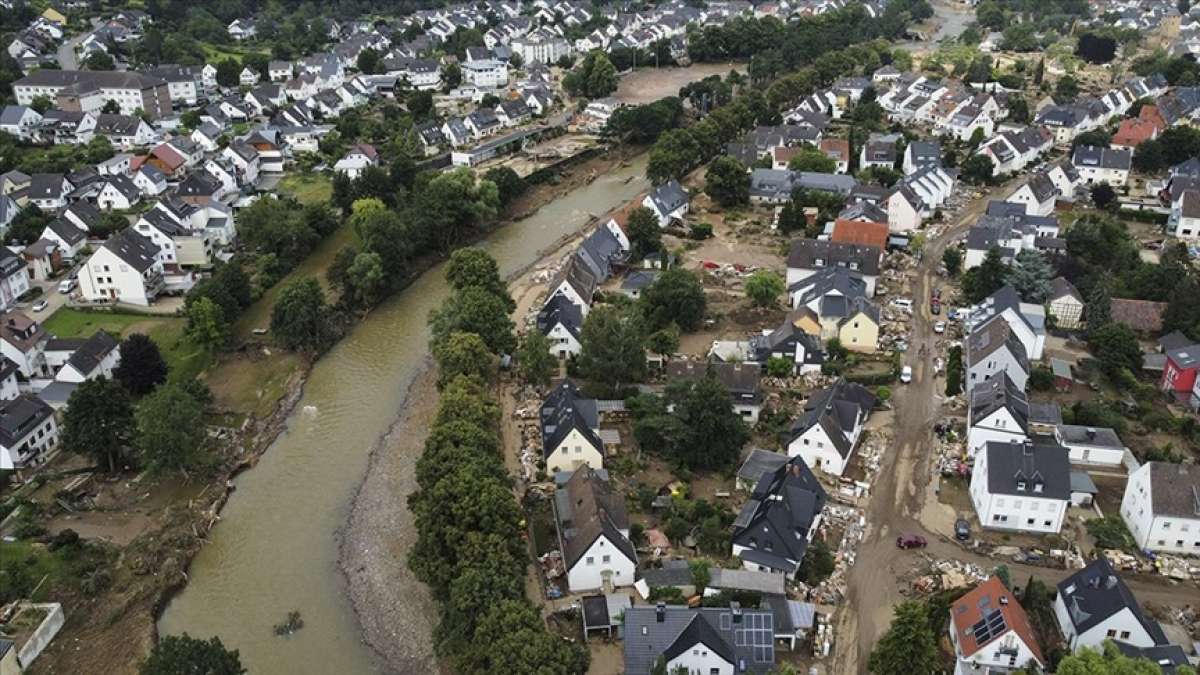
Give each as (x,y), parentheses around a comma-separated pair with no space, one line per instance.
(1143,316)
(1134,132)
(992,595)
(836,148)
(168,156)
(860,232)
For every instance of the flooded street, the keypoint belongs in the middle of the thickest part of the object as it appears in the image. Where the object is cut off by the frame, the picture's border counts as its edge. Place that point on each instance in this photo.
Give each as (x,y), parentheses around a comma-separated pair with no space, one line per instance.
(276,549)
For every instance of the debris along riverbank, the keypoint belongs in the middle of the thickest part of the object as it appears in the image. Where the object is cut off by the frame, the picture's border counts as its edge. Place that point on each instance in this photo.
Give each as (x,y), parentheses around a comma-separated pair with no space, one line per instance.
(395,611)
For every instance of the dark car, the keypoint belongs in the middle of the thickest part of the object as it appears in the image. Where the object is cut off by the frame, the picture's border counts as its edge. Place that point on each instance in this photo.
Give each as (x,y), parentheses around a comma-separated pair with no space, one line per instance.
(910,541)
(962,529)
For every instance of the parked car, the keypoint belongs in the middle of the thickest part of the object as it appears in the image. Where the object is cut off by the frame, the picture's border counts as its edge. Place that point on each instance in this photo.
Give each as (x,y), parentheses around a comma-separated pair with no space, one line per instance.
(906,374)
(935,306)
(66,286)
(962,529)
(907,541)
(40,305)
(939,327)
(902,303)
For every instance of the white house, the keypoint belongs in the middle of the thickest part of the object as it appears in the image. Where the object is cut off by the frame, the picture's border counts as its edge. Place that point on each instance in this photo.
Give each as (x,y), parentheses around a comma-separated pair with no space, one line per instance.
(1021,486)
(570,430)
(125,269)
(993,349)
(774,528)
(9,389)
(1065,304)
(561,321)
(485,73)
(904,209)
(1161,506)
(14,278)
(1026,320)
(1103,165)
(1091,446)
(827,434)
(20,121)
(48,191)
(97,357)
(28,432)
(359,157)
(576,283)
(991,632)
(1094,605)
(998,412)
(1037,194)
(119,193)
(593,529)
(242,29)
(807,256)
(700,641)
(668,201)
(23,341)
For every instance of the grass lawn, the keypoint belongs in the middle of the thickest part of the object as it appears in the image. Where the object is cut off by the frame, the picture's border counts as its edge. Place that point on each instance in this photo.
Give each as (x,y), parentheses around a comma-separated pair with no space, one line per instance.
(214,52)
(37,563)
(185,360)
(312,188)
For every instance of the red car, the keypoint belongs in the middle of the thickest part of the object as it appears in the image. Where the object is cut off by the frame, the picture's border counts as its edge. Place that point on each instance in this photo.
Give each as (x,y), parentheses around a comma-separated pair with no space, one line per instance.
(910,541)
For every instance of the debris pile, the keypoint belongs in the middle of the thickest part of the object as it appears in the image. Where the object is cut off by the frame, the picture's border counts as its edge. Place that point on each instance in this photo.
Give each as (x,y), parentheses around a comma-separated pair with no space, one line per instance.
(853,525)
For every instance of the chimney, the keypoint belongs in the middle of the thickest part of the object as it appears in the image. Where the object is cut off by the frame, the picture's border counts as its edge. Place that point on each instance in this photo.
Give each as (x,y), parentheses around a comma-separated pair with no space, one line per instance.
(1003,600)
(736,608)
(660,612)
(1091,433)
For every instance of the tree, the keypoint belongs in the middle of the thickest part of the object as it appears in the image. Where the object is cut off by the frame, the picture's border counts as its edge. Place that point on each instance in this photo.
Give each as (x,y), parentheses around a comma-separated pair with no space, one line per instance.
(300,317)
(1018,109)
(645,236)
(812,159)
(712,433)
(764,288)
(451,205)
(420,104)
(1066,89)
(673,155)
(664,341)
(595,77)
(954,371)
(99,60)
(1099,138)
(818,563)
(1110,662)
(473,267)
(463,354)
(365,279)
(676,296)
(977,169)
(98,421)
(111,107)
(535,363)
(1095,48)
(727,182)
(451,76)
(185,655)
(28,225)
(1104,196)
(170,429)
(612,351)
(42,103)
(228,72)
(1030,276)
(1110,532)
(1115,346)
(952,259)
(989,277)
(367,61)
(142,367)
(508,184)
(1183,312)
(475,310)
(1098,309)
(206,325)
(908,646)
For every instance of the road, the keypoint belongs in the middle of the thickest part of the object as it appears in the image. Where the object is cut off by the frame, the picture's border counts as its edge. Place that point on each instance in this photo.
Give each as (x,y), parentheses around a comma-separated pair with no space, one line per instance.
(903,486)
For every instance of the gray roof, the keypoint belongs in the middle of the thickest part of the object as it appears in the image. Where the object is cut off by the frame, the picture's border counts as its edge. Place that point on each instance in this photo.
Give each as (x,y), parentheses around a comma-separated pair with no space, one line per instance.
(600,251)
(767,583)
(774,523)
(21,416)
(87,358)
(651,632)
(815,254)
(758,462)
(1060,288)
(1102,158)
(137,251)
(742,381)
(1095,593)
(668,197)
(1000,393)
(674,573)
(560,310)
(1175,489)
(90,79)
(991,336)
(1082,482)
(588,507)
(1167,657)
(1019,469)
(1074,434)
(565,409)
(837,409)
(67,231)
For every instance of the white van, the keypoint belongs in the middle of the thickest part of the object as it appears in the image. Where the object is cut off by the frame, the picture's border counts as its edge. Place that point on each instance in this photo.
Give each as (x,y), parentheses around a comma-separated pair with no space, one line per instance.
(66,286)
(906,374)
(902,303)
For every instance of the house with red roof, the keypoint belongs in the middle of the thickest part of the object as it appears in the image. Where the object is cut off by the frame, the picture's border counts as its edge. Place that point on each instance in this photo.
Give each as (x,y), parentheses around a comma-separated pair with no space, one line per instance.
(991,632)
(860,232)
(1134,132)
(167,160)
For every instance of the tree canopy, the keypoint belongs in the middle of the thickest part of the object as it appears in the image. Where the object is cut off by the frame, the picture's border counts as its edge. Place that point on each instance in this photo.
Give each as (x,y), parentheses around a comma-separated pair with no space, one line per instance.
(676,296)
(185,655)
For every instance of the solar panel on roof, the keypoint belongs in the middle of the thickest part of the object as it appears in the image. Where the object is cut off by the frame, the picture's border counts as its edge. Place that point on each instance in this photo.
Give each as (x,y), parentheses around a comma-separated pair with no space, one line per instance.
(989,627)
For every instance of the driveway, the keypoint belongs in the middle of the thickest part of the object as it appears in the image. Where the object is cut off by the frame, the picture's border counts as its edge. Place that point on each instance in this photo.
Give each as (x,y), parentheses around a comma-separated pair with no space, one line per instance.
(66,51)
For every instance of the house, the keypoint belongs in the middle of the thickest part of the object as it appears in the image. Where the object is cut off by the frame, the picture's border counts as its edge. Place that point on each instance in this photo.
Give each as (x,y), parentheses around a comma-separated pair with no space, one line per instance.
(28,432)
(280,71)
(1065,304)
(561,321)
(774,527)
(1021,486)
(513,112)
(1133,132)
(1037,194)
(248,77)
(698,640)
(1143,316)
(807,256)
(1013,150)
(1094,605)
(833,303)
(1103,165)
(1000,411)
(67,236)
(97,356)
(8,212)
(485,73)
(167,160)
(1096,446)
(991,632)
(455,130)
(1027,320)
(1184,221)
(1161,506)
(837,149)
(859,232)
(1007,226)
(150,181)
(570,430)
(878,152)
(576,283)
(741,380)
(119,193)
(356,160)
(48,191)
(14,278)
(125,269)
(44,258)
(994,348)
(828,431)
(601,251)
(668,201)
(483,122)
(791,343)
(920,155)
(9,387)
(242,29)
(89,90)
(20,121)
(593,533)
(1179,374)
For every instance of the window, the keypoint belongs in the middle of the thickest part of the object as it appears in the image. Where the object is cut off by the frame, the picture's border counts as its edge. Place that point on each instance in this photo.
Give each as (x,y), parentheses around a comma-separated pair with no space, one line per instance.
(1124,635)
(1029,521)
(1111,633)
(591,560)
(1166,524)
(606,559)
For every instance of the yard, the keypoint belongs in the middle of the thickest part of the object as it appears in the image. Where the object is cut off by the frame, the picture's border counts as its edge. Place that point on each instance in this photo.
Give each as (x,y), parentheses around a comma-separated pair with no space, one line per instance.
(307,188)
(215,52)
(185,360)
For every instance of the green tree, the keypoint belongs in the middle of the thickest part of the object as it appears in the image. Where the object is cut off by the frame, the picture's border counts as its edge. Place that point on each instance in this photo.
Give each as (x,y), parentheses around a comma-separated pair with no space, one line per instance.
(511,637)
(908,646)
(535,362)
(1098,310)
(170,429)
(1066,89)
(1115,346)
(452,205)
(713,434)
(1110,532)
(98,421)
(27,226)
(206,324)
(228,72)
(612,350)
(673,155)
(1104,196)
(508,183)
(141,367)
(989,277)
(474,267)
(365,279)
(727,182)
(818,563)
(475,310)
(664,341)
(184,655)
(764,288)
(463,354)
(645,236)
(954,371)
(952,258)
(367,61)
(676,296)
(1030,276)
(41,104)
(300,317)
(812,159)
(977,169)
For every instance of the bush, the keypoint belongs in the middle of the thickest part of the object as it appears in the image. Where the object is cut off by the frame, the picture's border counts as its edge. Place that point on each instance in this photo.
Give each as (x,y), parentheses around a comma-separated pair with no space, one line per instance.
(1041,379)
(701,231)
(1111,532)
(778,366)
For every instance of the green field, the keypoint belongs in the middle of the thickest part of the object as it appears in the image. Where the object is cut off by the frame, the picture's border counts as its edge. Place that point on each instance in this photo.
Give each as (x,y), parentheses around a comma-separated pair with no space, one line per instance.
(37,563)
(214,52)
(185,359)
(309,188)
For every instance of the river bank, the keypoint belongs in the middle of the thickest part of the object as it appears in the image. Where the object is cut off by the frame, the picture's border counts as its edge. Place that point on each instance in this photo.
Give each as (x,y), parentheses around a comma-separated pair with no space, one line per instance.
(394,609)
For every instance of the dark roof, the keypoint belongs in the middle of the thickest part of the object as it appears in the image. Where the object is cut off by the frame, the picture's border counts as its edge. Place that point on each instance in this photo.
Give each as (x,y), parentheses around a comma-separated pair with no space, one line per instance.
(814,254)
(46,186)
(577,274)
(1020,468)
(565,409)
(668,197)
(1167,657)
(1175,489)
(837,409)
(774,523)
(1060,287)
(599,251)
(20,416)
(10,263)
(137,251)
(700,631)
(593,509)
(999,393)
(650,632)
(558,309)
(742,381)
(1075,434)
(87,358)
(85,80)
(759,462)
(1102,158)
(991,336)
(1095,593)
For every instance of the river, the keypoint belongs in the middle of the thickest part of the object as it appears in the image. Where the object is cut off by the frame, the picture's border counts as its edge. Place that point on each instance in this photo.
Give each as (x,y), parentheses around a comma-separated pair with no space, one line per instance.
(275,549)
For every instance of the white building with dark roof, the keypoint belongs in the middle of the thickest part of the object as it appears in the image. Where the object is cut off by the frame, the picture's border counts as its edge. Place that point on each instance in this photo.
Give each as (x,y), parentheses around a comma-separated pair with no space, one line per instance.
(829,430)
(1021,486)
(1161,506)
(1094,605)
(125,269)
(28,432)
